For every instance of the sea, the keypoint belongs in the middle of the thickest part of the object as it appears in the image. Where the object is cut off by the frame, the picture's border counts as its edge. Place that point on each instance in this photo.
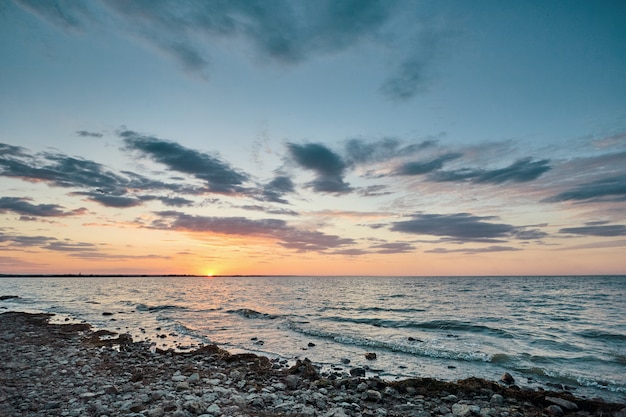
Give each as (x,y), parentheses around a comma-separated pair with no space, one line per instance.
(552,332)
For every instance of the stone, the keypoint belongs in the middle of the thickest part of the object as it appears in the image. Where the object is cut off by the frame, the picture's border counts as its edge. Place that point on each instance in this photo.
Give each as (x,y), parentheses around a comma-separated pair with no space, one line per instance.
(563,403)
(357,372)
(507,378)
(496,399)
(370,356)
(554,410)
(372,395)
(463,410)
(292,381)
(195,377)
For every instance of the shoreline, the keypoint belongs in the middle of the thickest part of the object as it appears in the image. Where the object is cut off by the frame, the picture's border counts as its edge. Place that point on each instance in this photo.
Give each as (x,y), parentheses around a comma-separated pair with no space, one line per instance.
(72,370)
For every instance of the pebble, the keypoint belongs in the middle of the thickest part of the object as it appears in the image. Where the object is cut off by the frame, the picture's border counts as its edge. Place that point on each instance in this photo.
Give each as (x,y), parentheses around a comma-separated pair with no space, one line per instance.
(51,370)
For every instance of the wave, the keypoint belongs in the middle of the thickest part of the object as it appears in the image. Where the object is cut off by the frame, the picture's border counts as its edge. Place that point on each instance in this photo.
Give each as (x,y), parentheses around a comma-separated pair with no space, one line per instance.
(375,309)
(442,325)
(145,307)
(252,314)
(418,348)
(601,334)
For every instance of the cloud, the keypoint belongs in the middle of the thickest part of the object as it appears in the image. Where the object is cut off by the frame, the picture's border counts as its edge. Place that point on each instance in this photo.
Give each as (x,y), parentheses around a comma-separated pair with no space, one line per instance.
(66,246)
(472,251)
(219,176)
(425,167)
(280,31)
(93,180)
(277,188)
(285,235)
(67,14)
(522,170)
(393,247)
(593,230)
(361,151)
(328,166)
(87,134)
(612,188)
(458,227)
(23,207)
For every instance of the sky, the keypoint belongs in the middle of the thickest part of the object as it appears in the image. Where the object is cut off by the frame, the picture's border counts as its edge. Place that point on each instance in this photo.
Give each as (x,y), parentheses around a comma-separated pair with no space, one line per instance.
(345,137)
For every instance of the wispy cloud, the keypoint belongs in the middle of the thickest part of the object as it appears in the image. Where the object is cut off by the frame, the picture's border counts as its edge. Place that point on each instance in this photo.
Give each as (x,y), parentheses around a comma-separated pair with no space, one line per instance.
(218,176)
(276,229)
(612,188)
(24,207)
(473,251)
(88,134)
(595,230)
(463,227)
(282,31)
(523,170)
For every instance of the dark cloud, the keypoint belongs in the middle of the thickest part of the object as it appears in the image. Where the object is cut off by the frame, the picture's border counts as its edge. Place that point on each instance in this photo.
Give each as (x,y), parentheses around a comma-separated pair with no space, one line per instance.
(285,235)
(472,251)
(374,191)
(169,201)
(107,200)
(393,247)
(425,167)
(361,151)
(522,170)
(27,241)
(70,246)
(219,176)
(23,206)
(277,188)
(530,234)
(458,227)
(94,181)
(87,134)
(269,210)
(281,31)
(606,189)
(605,231)
(328,167)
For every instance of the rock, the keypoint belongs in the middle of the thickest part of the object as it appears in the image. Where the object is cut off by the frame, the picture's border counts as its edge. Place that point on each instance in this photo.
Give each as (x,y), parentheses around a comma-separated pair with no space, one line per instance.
(370,356)
(554,410)
(311,344)
(107,313)
(362,387)
(496,399)
(357,372)
(345,361)
(372,395)
(214,410)
(451,398)
(563,403)
(292,381)
(463,410)
(8,297)
(195,377)
(507,378)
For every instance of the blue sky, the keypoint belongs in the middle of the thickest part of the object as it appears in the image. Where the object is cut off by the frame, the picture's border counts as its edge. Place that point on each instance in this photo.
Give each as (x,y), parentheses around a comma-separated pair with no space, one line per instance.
(331,137)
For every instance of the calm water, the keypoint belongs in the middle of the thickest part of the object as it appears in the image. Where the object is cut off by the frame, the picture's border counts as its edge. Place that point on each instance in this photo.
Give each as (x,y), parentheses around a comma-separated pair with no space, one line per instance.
(566,330)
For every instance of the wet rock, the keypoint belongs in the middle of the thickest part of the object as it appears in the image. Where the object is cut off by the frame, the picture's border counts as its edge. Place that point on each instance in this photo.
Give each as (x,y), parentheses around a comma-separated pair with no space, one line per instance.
(8,297)
(372,395)
(554,410)
(464,410)
(496,399)
(357,372)
(563,403)
(507,378)
(370,356)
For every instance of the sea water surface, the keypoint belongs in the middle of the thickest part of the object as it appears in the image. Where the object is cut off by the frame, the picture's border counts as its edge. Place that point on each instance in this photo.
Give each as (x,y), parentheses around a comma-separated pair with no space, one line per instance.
(543,330)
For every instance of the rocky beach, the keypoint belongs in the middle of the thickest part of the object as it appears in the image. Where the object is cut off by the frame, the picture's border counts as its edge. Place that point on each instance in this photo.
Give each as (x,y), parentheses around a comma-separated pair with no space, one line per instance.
(71,370)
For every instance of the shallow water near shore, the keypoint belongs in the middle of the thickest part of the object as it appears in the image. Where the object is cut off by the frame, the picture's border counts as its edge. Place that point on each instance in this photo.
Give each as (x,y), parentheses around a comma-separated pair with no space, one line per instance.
(545,331)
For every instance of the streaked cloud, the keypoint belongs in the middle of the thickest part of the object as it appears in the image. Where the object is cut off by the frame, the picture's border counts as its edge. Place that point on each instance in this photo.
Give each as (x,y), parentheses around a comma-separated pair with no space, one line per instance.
(24,207)
(596,230)
(522,170)
(473,251)
(218,175)
(285,235)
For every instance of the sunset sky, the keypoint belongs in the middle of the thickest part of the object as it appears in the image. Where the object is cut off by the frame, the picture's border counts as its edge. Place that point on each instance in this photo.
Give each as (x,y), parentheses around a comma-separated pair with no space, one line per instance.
(330,137)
